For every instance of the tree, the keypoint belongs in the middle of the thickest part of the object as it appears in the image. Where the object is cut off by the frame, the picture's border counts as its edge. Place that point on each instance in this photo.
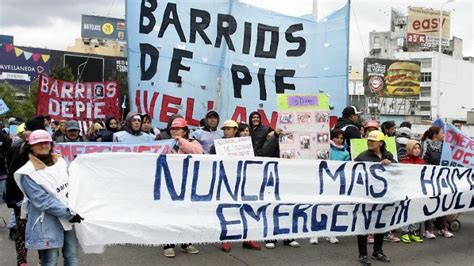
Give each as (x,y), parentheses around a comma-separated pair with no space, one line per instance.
(62,73)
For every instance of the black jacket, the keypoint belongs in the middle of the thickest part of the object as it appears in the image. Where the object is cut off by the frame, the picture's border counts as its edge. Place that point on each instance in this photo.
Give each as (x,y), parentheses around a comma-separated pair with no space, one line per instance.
(258,134)
(432,151)
(5,145)
(351,129)
(17,157)
(370,156)
(271,147)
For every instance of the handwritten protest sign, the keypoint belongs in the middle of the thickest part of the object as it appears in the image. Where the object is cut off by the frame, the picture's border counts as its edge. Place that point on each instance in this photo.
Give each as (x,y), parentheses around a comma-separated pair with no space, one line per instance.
(70,150)
(209,199)
(191,56)
(360,145)
(234,146)
(458,148)
(304,119)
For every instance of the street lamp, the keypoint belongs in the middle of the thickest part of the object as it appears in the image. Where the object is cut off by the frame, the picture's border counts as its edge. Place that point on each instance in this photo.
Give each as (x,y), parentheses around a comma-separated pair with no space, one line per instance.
(440,30)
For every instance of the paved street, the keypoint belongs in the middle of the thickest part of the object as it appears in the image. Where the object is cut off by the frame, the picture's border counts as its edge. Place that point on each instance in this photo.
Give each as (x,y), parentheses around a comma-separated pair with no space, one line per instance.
(457,251)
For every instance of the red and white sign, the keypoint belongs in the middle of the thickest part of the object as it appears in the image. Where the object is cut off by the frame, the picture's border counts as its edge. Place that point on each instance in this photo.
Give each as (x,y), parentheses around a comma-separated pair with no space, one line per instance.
(83,101)
(424,23)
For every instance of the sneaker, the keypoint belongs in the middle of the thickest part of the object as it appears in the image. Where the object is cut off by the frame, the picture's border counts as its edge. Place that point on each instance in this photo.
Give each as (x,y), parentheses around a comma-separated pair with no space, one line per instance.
(445,233)
(251,245)
(405,238)
(364,260)
(391,237)
(429,234)
(313,241)
(225,246)
(370,239)
(191,249)
(380,257)
(332,240)
(270,245)
(292,243)
(416,238)
(169,253)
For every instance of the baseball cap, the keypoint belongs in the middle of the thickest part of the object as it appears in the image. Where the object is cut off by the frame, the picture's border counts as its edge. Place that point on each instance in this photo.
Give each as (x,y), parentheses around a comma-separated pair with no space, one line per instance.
(72,125)
(371,123)
(376,135)
(179,123)
(212,112)
(39,136)
(230,123)
(350,110)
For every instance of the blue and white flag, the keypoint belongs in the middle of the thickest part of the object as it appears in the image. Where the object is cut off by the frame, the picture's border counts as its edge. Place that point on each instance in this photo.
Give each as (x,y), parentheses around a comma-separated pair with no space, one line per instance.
(3,107)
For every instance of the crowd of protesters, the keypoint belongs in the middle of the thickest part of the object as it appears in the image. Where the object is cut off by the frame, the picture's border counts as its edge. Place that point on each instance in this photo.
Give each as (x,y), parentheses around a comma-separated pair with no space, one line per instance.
(30,173)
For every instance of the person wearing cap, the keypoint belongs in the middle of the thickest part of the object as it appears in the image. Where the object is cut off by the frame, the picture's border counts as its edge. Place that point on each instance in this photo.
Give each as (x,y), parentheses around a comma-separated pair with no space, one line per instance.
(402,136)
(73,133)
(61,130)
(231,130)
(209,132)
(16,158)
(44,181)
(184,145)
(348,124)
(133,132)
(377,152)
(369,126)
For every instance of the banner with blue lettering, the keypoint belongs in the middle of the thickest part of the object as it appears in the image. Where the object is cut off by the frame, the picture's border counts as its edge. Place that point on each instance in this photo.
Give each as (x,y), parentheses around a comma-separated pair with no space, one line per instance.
(190,56)
(458,148)
(151,199)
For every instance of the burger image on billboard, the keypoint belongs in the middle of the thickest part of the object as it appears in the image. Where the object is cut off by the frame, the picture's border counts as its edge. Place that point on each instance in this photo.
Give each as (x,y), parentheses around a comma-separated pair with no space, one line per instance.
(403,79)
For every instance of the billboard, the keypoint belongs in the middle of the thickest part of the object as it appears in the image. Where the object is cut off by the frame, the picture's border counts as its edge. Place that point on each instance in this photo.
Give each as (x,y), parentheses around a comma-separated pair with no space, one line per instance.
(423,26)
(87,67)
(21,66)
(95,27)
(389,78)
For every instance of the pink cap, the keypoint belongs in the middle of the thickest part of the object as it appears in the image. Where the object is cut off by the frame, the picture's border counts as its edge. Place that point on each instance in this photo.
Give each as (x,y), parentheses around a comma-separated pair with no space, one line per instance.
(179,123)
(39,136)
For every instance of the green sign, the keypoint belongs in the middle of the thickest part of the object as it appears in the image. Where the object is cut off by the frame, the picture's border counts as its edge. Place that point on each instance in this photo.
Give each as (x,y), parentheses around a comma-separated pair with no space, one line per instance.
(360,145)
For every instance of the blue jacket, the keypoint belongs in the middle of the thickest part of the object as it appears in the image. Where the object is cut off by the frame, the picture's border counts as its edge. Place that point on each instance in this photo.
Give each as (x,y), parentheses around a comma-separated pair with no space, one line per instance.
(339,153)
(46,232)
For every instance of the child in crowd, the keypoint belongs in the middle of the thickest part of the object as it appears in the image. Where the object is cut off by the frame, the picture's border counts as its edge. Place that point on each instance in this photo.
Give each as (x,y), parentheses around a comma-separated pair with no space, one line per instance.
(413,156)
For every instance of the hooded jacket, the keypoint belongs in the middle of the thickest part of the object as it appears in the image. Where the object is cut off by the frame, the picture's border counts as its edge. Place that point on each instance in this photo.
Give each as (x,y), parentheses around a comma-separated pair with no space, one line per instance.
(402,137)
(107,135)
(410,158)
(259,135)
(351,130)
(129,135)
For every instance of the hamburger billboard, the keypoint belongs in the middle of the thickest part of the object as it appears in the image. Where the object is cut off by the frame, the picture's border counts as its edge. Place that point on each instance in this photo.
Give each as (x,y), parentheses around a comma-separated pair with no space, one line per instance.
(391,78)
(423,26)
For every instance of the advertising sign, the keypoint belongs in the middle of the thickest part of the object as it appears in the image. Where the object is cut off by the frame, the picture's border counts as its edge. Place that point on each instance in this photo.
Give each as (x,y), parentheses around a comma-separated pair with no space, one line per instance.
(383,77)
(190,56)
(423,26)
(96,27)
(20,65)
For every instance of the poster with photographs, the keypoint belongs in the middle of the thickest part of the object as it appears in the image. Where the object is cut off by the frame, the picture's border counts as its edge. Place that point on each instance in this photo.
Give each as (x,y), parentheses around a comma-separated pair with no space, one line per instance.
(304,120)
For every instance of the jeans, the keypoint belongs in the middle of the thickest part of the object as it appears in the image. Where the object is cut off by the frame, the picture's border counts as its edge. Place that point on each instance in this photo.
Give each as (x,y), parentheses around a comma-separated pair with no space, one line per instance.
(441,221)
(12,222)
(49,257)
(409,229)
(362,242)
(3,182)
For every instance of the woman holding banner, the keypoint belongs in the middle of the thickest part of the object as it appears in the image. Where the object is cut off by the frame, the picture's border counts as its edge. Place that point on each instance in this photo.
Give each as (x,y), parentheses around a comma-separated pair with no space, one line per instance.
(184,145)
(432,146)
(44,182)
(376,152)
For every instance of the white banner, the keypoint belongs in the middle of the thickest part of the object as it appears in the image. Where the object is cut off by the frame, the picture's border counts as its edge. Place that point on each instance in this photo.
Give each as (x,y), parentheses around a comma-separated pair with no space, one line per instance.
(234,146)
(151,199)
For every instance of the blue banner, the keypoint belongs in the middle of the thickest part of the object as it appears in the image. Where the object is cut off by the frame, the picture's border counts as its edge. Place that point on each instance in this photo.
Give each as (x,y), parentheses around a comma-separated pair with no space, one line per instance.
(193,56)
(3,107)
(458,148)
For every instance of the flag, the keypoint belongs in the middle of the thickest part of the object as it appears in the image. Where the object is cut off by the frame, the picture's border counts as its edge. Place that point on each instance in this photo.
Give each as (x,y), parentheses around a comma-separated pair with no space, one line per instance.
(3,107)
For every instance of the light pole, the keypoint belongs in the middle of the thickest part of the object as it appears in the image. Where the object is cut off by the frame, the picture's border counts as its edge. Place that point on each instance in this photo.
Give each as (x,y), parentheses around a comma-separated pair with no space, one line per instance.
(440,43)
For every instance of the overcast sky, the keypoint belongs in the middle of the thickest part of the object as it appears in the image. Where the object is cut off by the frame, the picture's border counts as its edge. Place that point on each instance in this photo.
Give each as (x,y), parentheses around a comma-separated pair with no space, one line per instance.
(56,23)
